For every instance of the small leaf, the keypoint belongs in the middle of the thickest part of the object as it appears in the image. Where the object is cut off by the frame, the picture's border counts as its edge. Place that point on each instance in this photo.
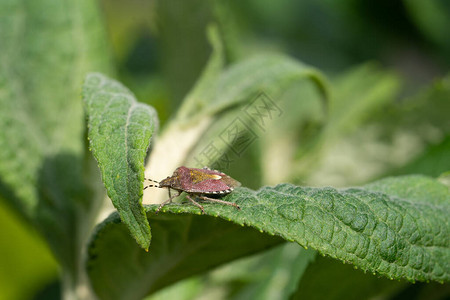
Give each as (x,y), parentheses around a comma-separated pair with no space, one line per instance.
(388,228)
(120,129)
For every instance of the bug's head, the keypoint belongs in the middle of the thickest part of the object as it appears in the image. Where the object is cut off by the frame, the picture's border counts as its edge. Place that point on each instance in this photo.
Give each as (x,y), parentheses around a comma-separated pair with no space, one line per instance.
(170,181)
(174,181)
(166,182)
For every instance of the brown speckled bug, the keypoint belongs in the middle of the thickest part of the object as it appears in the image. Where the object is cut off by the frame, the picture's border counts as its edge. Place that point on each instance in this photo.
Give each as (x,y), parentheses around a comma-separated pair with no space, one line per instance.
(198,183)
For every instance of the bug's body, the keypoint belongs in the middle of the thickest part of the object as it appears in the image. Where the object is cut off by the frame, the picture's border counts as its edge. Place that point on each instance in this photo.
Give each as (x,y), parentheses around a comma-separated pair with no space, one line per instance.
(199,183)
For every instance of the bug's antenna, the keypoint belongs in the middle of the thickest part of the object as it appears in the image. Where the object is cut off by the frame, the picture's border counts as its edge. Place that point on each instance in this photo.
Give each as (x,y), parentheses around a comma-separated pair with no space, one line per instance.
(151,185)
(152,180)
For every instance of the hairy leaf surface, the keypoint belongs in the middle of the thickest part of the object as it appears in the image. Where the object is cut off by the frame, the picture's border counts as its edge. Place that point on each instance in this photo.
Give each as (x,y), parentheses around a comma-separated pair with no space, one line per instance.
(390,228)
(120,129)
(45,50)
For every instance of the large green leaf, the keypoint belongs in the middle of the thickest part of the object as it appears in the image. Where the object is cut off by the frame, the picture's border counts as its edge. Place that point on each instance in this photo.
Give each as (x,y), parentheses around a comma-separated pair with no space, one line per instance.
(46,48)
(182,245)
(390,228)
(120,129)
(41,113)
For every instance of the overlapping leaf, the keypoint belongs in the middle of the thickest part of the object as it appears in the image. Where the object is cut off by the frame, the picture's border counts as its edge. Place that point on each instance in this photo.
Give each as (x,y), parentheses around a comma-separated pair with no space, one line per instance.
(120,129)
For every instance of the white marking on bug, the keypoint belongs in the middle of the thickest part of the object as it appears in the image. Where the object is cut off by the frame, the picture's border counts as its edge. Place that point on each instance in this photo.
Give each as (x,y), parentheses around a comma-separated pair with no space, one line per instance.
(216,177)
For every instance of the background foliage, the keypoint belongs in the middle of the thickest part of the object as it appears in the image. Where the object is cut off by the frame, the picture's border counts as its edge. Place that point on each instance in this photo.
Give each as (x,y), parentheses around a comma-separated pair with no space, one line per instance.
(374,104)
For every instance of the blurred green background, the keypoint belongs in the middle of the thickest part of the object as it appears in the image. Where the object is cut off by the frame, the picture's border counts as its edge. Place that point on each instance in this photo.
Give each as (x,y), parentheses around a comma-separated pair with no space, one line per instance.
(160,48)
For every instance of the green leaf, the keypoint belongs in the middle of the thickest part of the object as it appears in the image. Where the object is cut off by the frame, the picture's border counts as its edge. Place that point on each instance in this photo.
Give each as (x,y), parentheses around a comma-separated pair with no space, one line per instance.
(41,113)
(120,129)
(388,228)
(44,170)
(182,245)
(414,188)
(241,82)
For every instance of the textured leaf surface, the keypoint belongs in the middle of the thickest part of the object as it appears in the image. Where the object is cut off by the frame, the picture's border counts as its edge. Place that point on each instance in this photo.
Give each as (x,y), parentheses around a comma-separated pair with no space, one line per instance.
(389,228)
(120,129)
(41,114)
(46,47)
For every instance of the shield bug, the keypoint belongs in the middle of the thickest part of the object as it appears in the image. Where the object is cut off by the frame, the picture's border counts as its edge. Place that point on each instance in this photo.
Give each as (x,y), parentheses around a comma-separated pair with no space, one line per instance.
(198,183)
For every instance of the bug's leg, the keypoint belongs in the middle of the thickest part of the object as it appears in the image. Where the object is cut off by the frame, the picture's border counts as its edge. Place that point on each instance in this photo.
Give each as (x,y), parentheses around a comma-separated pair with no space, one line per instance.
(219,201)
(167,201)
(195,203)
